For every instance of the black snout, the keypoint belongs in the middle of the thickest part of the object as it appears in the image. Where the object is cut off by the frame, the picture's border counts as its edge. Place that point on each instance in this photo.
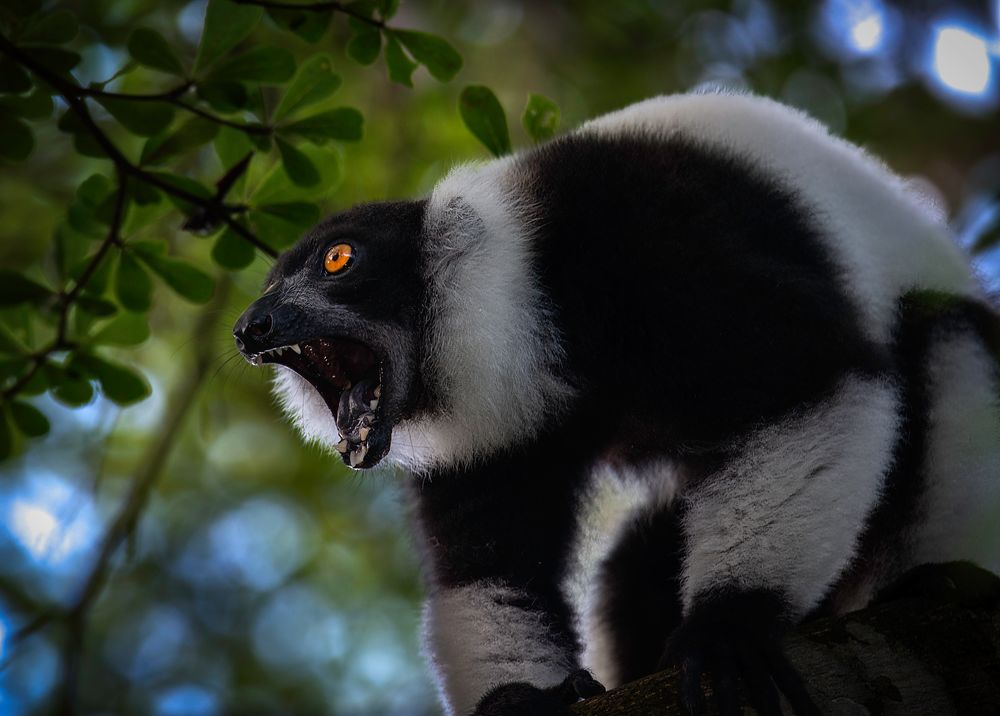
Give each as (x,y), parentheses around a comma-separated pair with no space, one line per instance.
(253,327)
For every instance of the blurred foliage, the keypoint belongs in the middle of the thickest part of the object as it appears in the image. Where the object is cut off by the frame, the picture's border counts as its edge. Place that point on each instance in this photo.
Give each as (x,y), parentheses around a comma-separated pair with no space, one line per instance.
(168,546)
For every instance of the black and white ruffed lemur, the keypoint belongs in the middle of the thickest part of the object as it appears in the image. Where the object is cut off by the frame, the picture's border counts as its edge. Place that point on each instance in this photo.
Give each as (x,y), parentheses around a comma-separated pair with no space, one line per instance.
(662,386)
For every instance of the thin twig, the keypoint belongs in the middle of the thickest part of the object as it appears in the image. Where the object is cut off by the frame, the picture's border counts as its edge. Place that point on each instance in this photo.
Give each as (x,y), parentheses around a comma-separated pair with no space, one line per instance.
(317,7)
(128,515)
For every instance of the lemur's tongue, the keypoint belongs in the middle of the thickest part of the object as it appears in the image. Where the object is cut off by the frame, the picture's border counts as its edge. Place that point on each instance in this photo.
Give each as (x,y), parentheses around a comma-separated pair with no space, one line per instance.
(356,413)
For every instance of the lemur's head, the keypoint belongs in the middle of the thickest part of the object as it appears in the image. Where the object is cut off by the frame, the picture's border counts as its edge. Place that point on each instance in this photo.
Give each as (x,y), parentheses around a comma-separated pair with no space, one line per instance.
(341,317)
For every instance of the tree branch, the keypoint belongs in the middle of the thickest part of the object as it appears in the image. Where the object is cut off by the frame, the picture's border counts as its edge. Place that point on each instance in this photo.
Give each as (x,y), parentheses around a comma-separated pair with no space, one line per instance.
(916,657)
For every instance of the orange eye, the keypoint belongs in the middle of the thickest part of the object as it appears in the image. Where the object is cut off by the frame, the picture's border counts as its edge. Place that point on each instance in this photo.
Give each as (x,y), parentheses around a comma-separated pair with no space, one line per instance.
(338,258)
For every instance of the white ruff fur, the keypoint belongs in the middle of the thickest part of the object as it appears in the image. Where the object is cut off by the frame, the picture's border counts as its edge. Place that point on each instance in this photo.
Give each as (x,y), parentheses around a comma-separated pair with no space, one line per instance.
(493,353)
(786,513)
(305,406)
(477,640)
(962,499)
(611,501)
(886,237)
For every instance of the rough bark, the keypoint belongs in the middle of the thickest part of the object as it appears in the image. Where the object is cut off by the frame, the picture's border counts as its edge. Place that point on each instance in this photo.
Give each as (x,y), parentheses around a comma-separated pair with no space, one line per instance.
(912,657)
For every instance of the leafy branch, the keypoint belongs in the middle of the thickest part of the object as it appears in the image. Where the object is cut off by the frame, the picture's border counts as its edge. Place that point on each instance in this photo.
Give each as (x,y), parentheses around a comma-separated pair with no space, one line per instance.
(64,300)
(73,94)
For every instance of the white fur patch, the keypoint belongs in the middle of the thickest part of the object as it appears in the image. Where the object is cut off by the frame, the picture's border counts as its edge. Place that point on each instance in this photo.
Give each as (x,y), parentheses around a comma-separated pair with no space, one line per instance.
(477,640)
(608,505)
(885,238)
(494,353)
(962,501)
(305,406)
(786,514)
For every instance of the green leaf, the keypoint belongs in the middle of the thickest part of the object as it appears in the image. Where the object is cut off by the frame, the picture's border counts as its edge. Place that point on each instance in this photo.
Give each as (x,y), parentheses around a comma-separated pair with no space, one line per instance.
(142,118)
(275,186)
(434,53)
(223,96)
(128,329)
(183,277)
(226,23)
(309,25)
(37,105)
(6,442)
(13,77)
(300,213)
(16,289)
(52,28)
(96,306)
(193,133)
(231,145)
(94,190)
(29,420)
(400,66)
(299,169)
(185,184)
(143,194)
(266,65)
(56,59)
(314,82)
(365,43)
(232,251)
(344,123)
(83,140)
(23,8)
(18,141)
(74,392)
(9,343)
(540,118)
(483,115)
(120,385)
(387,8)
(149,48)
(133,286)
(282,224)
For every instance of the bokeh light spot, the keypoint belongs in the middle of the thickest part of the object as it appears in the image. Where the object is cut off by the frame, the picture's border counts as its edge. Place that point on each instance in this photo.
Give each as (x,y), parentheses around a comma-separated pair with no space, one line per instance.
(186,700)
(961,60)
(867,33)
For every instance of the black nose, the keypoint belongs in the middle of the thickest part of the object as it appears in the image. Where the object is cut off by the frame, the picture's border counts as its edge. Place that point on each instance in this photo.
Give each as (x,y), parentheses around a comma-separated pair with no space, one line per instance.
(254,326)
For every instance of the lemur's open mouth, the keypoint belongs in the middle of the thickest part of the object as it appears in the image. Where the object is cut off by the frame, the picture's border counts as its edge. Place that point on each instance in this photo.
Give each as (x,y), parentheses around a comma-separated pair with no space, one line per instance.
(348,375)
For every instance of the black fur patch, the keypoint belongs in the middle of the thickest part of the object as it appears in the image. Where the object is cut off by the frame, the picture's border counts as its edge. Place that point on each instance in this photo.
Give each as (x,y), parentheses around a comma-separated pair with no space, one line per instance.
(694,296)
(640,603)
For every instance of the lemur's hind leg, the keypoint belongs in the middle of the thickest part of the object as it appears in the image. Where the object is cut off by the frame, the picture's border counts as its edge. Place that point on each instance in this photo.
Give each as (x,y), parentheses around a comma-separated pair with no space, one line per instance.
(766,535)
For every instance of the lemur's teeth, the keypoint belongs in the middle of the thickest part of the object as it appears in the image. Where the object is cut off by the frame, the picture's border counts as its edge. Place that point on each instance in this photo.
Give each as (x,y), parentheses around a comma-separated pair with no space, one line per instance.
(373,404)
(363,433)
(295,347)
(357,456)
(341,446)
(378,391)
(279,351)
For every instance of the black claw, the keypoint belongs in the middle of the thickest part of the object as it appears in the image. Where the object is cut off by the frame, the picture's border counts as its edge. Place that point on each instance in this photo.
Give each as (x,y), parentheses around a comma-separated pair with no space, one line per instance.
(761,691)
(584,684)
(692,696)
(725,683)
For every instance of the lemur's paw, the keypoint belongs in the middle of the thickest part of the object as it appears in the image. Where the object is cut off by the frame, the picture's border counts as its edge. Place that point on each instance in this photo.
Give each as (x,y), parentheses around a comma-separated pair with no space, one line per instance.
(735,638)
(522,699)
